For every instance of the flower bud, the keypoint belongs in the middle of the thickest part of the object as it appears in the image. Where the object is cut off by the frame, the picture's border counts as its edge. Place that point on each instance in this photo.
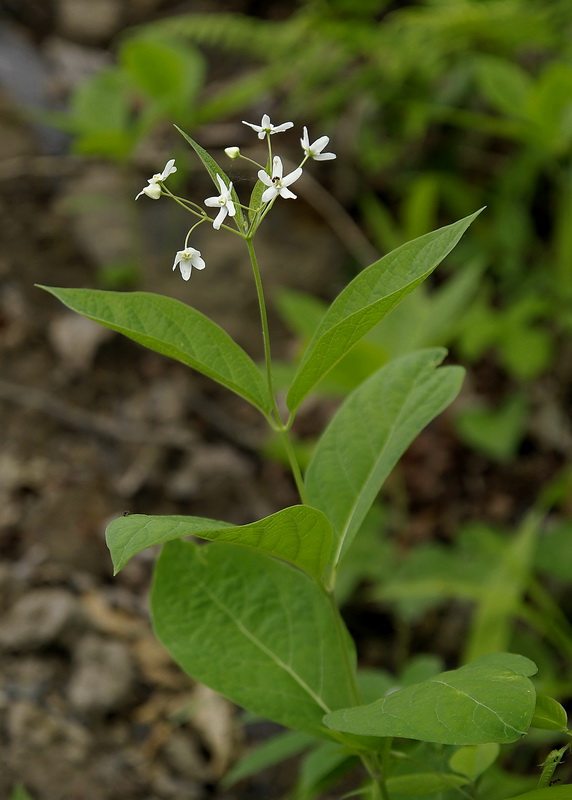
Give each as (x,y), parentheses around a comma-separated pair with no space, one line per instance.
(232,152)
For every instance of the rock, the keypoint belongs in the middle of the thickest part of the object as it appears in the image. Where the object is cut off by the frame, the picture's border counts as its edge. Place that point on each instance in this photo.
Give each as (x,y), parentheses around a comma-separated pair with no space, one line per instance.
(103,678)
(88,21)
(39,618)
(76,340)
(32,729)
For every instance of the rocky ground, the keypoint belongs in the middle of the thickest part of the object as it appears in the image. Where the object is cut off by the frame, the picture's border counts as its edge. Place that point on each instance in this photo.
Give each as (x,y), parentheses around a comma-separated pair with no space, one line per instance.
(91,708)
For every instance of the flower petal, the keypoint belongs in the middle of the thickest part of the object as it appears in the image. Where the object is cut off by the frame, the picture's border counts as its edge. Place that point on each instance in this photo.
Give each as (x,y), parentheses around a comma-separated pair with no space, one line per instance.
(284,192)
(265,177)
(293,176)
(269,194)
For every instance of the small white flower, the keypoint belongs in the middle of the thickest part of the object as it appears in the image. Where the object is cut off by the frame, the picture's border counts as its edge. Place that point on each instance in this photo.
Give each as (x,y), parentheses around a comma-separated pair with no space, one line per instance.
(153,190)
(187,259)
(223,201)
(266,127)
(232,152)
(277,185)
(315,150)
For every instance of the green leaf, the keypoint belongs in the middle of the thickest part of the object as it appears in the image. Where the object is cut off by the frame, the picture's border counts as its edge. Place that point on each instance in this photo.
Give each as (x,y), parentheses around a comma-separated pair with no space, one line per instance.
(497,432)
(504,84)
(19,793)
(267,754)
(502,592)
(490,700)
(371,431)
(549,715)
(367,299)
(253,629)
(422,783)
(473,760)
(552,793)
(168,72)
(300,535)
(551,762)
(213,169)
(176,330)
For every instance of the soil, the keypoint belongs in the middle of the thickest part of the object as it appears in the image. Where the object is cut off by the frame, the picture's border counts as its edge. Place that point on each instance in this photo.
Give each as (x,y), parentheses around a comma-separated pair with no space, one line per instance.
(93,426)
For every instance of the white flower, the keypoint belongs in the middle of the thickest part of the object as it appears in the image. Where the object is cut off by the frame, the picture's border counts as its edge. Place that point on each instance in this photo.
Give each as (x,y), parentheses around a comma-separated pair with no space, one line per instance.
(187,259)
(277,185)
(315,150)
(153,190)
(266,127)
(223,201)
(232,152)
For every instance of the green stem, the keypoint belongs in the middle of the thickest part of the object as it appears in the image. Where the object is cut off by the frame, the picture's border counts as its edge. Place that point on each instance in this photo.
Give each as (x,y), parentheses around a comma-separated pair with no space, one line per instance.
(294,466)
(265,330)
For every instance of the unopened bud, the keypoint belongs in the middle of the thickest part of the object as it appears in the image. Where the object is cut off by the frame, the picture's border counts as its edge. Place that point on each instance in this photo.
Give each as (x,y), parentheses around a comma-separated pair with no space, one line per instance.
(232,152)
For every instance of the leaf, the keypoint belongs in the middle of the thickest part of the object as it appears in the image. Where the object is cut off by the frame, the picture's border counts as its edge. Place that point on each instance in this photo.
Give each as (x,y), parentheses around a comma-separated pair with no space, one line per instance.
(267,754)
(300,535)
(166,71)
(253,629)
(367,299)
(552,793)
(473,760)
(213,169)
(19,793)
(176,330)
(371,431)
(549,715)
(503,590)
(551,762)
(490,700)
(422,783)
(504,84)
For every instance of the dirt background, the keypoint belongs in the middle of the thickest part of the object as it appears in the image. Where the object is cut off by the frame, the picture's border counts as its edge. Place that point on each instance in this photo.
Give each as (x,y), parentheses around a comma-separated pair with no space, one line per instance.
(93,426)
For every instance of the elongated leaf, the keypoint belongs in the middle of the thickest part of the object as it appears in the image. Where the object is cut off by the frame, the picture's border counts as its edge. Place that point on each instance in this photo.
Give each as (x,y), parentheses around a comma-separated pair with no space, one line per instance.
(473,760)
(254,629)
(213,169)
(299,534)
(552,793)
(422,783)
(175,330)
(549,714)
(490,700)
(367,299)
(267,754)
(371,431)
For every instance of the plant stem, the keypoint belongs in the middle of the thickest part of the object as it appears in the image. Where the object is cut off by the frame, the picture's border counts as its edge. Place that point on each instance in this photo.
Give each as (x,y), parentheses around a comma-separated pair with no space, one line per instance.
(264,321)
(278,423)
(294,466)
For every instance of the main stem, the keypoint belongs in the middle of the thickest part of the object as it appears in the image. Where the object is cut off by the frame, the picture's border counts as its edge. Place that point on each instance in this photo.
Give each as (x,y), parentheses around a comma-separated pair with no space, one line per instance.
(370,762)
(277,422)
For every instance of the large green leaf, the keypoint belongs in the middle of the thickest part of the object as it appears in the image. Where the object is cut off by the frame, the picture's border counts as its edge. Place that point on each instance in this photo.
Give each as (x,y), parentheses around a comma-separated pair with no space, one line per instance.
(370,432)
(213,169)
(299,534)
(254,629)
(367,299)
(489,700)
(552,793)
(176,330)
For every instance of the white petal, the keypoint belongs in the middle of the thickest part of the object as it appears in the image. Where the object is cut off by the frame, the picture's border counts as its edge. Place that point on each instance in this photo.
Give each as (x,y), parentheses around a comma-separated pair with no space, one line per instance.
(283,127)
(251,125)
(198,262)
(261,134)
(211,201)
(152,190)
(230,208)
(305,141)
(220,218)
(169,169)
(293,176)
(221,183)
(324,157)
(265,177)
(265,122)
(277,168)
(319,144)
(269,194)
(284,192)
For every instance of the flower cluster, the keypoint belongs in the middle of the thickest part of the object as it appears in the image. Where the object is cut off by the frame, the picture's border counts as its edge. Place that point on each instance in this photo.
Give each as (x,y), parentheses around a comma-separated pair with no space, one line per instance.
(277,185)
